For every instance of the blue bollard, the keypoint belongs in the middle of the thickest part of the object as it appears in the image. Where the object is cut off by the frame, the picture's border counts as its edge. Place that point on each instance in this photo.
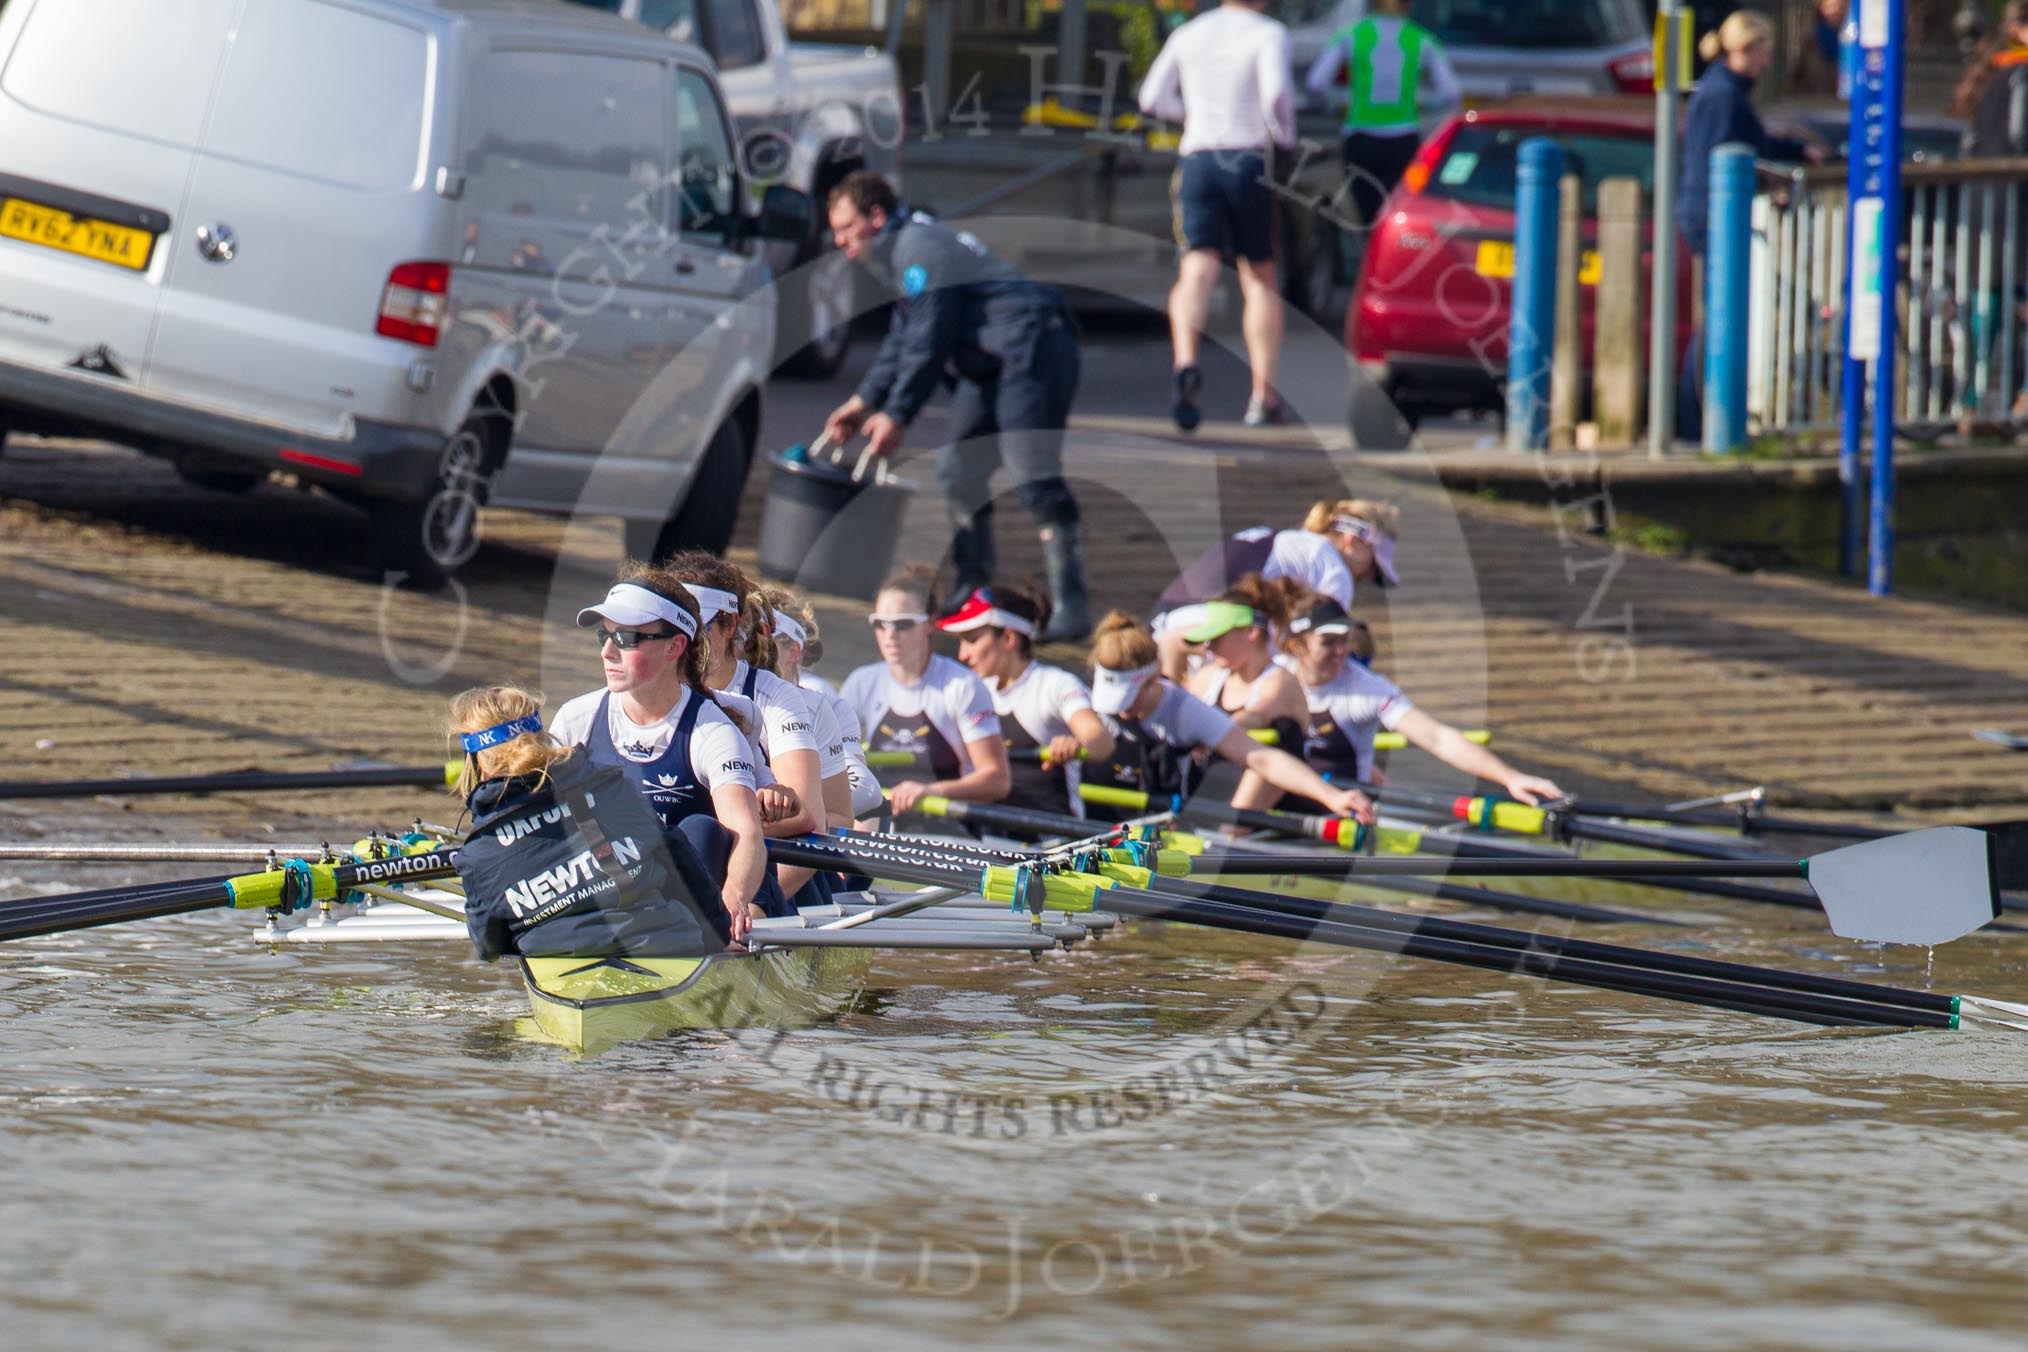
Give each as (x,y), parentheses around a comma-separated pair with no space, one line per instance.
(1728,261)
(1531,327)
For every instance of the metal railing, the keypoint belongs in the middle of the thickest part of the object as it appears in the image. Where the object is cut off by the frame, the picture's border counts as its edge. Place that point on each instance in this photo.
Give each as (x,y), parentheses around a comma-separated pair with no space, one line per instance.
(1960,270)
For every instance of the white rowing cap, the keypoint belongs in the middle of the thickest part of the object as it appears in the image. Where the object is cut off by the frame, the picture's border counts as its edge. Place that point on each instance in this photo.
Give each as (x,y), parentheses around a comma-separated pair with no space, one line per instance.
(1919,887)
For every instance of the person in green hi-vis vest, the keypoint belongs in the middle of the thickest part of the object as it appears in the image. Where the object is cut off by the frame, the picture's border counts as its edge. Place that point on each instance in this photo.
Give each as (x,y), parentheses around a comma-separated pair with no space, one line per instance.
(1384,62)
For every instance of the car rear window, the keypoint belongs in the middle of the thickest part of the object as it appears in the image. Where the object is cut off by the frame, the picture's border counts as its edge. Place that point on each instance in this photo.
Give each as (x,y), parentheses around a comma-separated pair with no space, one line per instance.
(1529,23)
(138,67)
(1479,164)
(327,93)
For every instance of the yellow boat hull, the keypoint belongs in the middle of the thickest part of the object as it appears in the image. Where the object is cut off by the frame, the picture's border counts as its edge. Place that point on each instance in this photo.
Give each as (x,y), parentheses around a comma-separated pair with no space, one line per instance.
(591,1004)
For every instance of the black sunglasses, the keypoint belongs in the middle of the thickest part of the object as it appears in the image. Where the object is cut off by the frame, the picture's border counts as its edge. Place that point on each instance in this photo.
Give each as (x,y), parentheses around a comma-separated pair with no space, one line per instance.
(626,640)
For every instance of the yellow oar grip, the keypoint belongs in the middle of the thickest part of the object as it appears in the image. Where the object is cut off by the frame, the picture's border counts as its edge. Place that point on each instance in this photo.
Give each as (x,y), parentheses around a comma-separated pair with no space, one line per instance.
(1506,816)
(1168,863)
(1060,891)
(452,769)
(890,760)
(256,891)
(1185,842)
(1108,795)
(933,805)
(1265,736)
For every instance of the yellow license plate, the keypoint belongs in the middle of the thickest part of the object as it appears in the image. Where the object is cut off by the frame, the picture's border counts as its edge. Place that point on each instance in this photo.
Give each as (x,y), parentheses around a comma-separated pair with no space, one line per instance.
(121,245)
(1496,259)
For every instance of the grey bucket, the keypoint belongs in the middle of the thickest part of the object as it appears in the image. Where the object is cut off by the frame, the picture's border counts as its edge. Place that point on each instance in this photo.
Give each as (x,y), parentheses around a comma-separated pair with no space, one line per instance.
(823,531)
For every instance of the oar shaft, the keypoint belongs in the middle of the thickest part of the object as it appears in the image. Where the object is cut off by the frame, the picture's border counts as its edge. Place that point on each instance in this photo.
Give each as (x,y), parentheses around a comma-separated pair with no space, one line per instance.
(1590,950)
(1427,866)
(1687,989)
(242,781)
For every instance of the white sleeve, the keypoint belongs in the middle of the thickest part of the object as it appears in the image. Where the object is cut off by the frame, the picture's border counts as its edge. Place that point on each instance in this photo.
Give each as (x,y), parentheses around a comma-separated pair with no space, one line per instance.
(971,706)
(1394,706)
(1161,93)
(1067,694)
(1324,70)
(719,756)
(1322,569)
(848,727)
(785,711)
(1442,77)
(830,741)
(1200,724)
(572,724)
(1277,98)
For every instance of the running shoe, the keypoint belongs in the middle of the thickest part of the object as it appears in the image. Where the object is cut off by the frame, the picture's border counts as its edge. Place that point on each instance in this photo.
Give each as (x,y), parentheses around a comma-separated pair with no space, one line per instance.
(1189,384)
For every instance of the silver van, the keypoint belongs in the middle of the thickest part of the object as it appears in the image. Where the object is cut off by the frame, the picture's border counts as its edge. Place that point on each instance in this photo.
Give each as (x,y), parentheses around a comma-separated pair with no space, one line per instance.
(423,253)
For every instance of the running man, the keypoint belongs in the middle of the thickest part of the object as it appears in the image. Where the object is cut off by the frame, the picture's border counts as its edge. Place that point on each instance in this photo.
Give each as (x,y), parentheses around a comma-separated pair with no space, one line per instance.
(1225,77)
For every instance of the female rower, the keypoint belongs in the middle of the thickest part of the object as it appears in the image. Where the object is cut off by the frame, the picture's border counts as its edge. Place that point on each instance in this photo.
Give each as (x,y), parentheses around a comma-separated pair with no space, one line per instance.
(1241,679)
(1157,723)
(646,892)
(1044,711)
(656,720)
(785,736)
(1339,545)
(920,702)
(855,793)
(1347,701)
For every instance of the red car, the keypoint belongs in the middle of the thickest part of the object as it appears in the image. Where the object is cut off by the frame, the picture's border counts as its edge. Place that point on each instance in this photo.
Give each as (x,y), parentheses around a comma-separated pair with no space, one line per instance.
(1428,318)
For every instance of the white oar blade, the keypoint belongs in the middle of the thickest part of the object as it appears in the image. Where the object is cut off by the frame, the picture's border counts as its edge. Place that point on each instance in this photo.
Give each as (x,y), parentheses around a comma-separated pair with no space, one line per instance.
(1920,887)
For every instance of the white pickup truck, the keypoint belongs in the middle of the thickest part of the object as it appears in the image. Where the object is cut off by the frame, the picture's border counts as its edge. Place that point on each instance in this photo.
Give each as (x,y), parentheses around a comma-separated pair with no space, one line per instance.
(807,115)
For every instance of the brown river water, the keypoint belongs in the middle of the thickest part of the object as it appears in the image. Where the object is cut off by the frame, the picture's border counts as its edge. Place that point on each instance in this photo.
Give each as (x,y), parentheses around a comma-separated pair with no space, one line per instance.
(1171,1138)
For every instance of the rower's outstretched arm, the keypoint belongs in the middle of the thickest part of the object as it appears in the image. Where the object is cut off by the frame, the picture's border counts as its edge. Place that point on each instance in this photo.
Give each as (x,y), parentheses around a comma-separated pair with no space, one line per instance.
(1448,745)
(1268,765)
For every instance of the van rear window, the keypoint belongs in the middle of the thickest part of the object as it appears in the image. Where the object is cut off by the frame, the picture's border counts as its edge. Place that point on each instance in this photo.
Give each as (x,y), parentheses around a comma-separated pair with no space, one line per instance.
(139,67)
(325,93)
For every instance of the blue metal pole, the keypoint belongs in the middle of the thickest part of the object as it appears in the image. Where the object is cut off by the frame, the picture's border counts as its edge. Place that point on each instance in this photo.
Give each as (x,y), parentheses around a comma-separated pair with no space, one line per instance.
(1887,113)
(1532,324)
(1727,321)
(1852,391)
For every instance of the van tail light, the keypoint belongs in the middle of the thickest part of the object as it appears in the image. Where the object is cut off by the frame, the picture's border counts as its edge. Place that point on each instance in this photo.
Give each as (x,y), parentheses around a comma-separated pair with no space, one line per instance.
(1416,177)
(1633,73)
(414,302)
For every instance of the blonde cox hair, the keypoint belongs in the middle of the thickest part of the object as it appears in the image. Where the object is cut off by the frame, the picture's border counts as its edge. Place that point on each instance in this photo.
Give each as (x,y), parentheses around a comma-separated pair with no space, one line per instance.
(1742,29)
(1385,515)
(488,706)
(1122,643)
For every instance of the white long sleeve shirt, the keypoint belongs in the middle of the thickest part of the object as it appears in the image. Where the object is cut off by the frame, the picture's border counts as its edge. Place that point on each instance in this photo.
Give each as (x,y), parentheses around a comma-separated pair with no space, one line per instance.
(1225,76)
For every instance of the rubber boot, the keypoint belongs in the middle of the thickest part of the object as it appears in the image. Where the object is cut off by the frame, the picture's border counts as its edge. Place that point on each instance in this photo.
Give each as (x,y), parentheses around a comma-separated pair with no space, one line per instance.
(1063,552)
(972,556)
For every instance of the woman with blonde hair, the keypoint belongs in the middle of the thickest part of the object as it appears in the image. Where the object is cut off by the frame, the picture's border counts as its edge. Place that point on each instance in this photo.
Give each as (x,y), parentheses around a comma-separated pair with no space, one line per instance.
(1339,545)
(630,885)
(656,720)
(1156,724)
(1720,111)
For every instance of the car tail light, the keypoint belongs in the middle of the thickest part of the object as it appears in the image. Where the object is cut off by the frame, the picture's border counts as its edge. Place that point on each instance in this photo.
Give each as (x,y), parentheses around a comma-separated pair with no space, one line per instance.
(414,302)
(1634,73)
(1416,177)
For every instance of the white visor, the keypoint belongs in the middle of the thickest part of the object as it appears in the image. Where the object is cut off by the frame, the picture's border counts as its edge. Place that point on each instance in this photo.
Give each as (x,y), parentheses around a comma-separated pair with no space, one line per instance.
(1181,620)
(636,607)
(711,602)
(787,628)
(1112,691)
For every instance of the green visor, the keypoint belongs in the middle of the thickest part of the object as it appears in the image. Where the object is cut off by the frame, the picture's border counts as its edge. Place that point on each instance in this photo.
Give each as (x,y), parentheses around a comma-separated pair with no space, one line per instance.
(1221,617)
